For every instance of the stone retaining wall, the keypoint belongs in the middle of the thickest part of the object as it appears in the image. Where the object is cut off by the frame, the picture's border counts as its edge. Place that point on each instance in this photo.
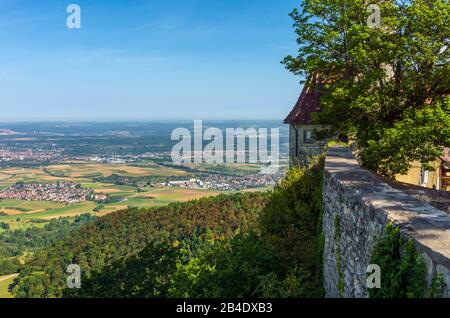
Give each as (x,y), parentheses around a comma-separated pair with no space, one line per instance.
(361,204)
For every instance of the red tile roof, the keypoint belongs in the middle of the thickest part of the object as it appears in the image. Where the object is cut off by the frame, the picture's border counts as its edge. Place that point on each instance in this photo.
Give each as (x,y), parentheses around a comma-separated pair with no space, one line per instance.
(308,102)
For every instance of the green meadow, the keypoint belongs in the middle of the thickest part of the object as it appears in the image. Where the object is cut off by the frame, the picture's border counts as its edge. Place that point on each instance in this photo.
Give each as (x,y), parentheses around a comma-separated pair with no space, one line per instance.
(5,282)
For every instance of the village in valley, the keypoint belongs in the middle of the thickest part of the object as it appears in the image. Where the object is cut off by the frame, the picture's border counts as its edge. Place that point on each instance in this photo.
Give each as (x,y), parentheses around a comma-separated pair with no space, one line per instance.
(57,192)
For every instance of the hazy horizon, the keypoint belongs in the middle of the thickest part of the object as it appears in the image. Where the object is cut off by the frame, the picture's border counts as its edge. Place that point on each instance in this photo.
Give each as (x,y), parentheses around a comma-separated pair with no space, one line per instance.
(149,120)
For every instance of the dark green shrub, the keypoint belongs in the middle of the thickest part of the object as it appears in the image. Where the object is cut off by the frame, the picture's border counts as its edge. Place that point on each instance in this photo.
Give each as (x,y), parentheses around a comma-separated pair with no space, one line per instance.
(402,269)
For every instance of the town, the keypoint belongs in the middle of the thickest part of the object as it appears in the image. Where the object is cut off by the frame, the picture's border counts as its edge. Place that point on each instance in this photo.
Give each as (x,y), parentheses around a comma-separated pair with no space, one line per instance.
(31,155)
(66,193)
(228,183)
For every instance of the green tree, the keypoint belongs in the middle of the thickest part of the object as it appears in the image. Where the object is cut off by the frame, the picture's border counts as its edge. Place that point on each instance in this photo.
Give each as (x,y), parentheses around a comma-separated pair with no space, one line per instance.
(388,87)
(292,218)
(148,274)
(9,266)
(4,226)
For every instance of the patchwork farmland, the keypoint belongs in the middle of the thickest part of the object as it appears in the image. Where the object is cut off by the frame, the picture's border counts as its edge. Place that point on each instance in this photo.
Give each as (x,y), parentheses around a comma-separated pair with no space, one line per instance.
(21,214)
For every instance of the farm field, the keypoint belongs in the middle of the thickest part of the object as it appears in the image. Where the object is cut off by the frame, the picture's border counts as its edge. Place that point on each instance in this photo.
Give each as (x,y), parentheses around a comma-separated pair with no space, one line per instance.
(15,207)
(157,197)
(89,170)
(81,172)
(22,214)
(177,194)
(11,176)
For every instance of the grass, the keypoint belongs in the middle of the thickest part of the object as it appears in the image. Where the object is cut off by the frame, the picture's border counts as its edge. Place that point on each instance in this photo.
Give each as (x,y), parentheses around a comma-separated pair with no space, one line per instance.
(157,197)
(22,224)
(61,211)
(26,211)
(25,220)
(28,206)
(44,210)
(262,189)
(108,188)
(177,194)
(5,281)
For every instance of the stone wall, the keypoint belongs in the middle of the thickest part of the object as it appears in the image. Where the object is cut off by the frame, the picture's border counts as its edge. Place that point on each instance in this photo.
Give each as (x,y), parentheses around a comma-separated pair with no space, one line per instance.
(357,207)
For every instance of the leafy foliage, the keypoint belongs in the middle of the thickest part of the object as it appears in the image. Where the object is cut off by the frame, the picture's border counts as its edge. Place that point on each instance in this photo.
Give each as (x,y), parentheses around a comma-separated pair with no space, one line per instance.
(438,286)
(120,236)
(292,221)
(4,226)
(9,266)
(242,245)
(403,270)
(387,87)
(280,256)
(15,243)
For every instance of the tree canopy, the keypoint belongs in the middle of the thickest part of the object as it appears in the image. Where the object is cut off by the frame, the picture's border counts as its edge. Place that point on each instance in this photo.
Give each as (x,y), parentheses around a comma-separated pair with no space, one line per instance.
(238,245)
(388,87)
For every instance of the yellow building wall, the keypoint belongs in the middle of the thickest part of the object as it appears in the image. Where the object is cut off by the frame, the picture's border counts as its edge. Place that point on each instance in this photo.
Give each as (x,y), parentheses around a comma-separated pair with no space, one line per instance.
(414,175)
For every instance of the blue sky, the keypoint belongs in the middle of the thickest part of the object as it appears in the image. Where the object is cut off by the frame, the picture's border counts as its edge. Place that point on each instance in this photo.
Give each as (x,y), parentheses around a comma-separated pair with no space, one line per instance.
(153,59)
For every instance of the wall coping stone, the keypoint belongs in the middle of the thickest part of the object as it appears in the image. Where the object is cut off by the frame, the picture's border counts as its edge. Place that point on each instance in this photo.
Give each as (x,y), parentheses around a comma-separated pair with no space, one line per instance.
(425,224)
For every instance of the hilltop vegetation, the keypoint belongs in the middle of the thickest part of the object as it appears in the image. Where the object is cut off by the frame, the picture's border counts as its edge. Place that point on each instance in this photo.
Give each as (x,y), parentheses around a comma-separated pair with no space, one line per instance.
(239,245)
(15,244)
(126,233)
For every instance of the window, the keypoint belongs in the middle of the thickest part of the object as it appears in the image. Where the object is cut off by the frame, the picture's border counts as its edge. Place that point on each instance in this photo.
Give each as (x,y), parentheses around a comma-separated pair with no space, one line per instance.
(423,177)
(308,136)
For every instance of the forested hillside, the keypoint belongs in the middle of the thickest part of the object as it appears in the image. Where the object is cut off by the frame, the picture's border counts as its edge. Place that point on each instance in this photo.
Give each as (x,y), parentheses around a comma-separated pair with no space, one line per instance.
(124,234)
(14,245)
(240,245)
